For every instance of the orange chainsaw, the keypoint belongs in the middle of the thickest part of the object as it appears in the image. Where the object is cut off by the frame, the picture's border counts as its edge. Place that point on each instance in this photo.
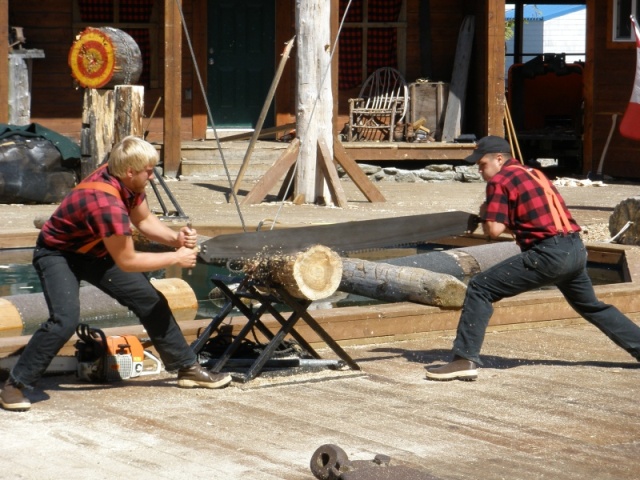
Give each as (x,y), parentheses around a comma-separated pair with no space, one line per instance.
(99,358)
(111,359)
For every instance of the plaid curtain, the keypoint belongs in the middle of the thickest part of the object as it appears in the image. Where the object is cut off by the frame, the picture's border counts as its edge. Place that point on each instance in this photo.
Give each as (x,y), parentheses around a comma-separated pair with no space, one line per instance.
(131,11)
(381,42)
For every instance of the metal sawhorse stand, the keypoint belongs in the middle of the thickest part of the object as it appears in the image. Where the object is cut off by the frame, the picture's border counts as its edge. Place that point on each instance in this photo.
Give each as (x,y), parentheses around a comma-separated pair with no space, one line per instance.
(247,289)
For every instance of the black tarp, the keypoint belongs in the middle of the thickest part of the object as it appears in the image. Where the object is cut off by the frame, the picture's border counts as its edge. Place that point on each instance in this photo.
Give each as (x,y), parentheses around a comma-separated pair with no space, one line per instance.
(37,165)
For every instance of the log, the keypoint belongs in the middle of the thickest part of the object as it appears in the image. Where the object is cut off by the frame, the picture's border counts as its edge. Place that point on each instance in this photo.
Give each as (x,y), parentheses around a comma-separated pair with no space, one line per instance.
(401,284)
(105,57)
(97,129)
(312,274)
(461,263)
(107,117)
(18,312)
(627,210)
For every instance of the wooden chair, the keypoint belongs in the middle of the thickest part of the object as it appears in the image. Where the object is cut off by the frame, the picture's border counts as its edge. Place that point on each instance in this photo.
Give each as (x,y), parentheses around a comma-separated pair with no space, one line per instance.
(382,103)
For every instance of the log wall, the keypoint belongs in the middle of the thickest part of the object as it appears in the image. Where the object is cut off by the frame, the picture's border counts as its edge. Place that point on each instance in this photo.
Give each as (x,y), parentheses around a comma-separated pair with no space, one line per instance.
(608,83)
(56,104)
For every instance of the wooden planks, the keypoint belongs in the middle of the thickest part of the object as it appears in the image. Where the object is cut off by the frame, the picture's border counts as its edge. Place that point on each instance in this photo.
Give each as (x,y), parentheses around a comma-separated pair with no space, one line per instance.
(458,88)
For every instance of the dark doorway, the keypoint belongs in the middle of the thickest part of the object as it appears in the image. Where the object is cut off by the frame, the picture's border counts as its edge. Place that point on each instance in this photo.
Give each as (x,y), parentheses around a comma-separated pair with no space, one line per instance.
(240,60)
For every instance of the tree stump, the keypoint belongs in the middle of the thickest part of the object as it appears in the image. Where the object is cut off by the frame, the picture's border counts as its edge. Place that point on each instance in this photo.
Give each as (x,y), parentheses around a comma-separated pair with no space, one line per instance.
(312,274)
(391,283)
(626,211)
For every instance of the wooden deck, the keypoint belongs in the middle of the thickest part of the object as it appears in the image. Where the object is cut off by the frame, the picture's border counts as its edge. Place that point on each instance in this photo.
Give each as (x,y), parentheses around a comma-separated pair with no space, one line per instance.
(555,399)
(204,157)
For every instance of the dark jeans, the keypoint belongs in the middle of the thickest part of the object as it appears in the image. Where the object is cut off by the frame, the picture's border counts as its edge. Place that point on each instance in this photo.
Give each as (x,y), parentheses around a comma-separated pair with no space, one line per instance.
(559,261)
(60,274)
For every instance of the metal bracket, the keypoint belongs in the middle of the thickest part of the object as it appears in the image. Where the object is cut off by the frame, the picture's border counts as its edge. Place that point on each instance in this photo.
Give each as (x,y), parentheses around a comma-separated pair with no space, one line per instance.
(166,214)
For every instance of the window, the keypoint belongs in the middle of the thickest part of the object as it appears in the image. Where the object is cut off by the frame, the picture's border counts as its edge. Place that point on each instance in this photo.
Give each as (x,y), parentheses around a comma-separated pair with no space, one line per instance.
(373,36)
(138,18)
(621,29)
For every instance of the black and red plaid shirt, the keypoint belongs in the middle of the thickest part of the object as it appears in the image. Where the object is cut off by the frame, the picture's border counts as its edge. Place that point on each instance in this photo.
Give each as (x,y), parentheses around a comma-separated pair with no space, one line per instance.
(86,215)
(516,200)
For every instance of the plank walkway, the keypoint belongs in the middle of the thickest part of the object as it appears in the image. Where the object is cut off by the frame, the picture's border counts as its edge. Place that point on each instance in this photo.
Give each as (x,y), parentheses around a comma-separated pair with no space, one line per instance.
(557,403)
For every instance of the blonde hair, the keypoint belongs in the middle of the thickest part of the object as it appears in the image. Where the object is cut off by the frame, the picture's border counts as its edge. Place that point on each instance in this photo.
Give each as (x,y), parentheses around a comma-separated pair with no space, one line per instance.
(132,152)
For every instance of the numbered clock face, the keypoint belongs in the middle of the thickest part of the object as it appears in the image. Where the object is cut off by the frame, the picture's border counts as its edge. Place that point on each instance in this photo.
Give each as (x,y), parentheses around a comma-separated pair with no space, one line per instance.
(92,59)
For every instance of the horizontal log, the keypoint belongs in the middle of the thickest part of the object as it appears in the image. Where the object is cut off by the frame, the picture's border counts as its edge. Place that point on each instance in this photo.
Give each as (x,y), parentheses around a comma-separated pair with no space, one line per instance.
(398,284)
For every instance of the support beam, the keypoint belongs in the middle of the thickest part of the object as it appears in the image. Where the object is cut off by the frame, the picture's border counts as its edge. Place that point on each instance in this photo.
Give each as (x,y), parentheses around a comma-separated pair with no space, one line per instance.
(199,118)
(495,68)
(172,87)
(4,65)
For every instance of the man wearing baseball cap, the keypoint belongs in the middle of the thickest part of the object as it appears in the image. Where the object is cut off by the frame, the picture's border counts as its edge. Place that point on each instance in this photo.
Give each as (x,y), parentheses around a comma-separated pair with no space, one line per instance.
(523,201)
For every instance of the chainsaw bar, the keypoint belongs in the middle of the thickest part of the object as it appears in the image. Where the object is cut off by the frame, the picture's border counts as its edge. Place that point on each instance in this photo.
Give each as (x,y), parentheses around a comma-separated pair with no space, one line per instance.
(347,237)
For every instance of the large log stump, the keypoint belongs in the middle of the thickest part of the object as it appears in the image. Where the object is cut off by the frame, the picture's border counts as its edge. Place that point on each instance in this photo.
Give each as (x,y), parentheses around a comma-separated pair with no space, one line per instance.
(386,282)
(626,211)
(105,57)
(312,274)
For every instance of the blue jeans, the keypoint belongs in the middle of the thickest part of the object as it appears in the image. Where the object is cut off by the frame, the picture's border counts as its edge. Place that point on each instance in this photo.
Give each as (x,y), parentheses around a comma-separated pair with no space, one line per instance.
(560,261)
(60,274)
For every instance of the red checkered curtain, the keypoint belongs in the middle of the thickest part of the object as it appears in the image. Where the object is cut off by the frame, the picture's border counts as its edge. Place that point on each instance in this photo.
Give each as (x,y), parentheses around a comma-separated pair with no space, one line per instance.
(381,42)
(131,11)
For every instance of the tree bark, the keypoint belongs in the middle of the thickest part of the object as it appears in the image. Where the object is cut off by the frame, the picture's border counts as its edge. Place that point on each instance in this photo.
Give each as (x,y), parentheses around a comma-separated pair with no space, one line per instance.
(313,274)
(626,211)
(399,284)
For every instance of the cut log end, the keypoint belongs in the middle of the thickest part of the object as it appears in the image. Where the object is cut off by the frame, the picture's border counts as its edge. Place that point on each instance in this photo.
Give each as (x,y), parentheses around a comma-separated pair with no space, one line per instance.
(312,274)
(627,210)
(316,273)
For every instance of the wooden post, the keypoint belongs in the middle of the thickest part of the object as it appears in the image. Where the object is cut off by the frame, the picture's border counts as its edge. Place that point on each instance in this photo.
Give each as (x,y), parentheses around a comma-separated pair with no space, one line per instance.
(96,137)
(107,117)
(129,110)
(4,65)
(172,88)
(315,101)
(495,67)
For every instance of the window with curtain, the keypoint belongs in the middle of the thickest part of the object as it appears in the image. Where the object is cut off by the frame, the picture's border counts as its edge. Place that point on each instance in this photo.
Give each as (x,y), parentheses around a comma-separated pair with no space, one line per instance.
(369,39)
(138,18)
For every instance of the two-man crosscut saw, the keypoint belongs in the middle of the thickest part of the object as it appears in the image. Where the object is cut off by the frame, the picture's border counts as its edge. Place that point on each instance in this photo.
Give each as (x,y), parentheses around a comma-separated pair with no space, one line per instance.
(341,237)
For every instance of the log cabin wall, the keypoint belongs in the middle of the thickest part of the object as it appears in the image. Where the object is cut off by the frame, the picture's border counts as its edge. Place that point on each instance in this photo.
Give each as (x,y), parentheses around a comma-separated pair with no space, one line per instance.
(56,103)
(608,91)
(441,34)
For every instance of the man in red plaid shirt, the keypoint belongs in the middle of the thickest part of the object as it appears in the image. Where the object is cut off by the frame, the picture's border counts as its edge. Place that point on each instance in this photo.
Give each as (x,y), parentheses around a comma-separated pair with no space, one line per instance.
(523,201)
(89,238)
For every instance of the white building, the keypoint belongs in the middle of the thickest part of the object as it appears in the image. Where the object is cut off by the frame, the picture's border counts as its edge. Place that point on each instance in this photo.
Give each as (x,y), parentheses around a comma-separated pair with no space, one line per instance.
(550,29)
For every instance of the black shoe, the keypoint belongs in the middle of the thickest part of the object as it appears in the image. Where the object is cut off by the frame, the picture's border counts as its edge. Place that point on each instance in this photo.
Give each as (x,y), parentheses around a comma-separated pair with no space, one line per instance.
(12,398)
(460,368)
(198,376)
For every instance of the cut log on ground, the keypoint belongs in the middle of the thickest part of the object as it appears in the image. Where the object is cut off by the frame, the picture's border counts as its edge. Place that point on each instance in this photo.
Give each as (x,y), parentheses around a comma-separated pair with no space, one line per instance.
(391,283)
(312,274)
(626,211)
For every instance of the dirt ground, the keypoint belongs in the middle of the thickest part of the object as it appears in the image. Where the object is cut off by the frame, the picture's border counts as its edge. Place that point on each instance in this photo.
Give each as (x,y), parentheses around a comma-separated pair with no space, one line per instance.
(208,204)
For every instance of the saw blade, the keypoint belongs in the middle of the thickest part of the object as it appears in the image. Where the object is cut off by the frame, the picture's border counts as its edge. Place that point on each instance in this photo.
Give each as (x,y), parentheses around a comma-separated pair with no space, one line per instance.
(343,238)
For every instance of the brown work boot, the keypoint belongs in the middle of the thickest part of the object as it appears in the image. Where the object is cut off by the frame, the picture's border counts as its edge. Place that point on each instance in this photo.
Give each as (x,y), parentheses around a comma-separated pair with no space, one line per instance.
(12,398)
(198,376)
(460,368)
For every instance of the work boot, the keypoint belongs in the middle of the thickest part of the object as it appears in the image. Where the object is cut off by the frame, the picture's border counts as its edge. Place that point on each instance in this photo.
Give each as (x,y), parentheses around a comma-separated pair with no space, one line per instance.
(198,376)
(12,398)
(460,368)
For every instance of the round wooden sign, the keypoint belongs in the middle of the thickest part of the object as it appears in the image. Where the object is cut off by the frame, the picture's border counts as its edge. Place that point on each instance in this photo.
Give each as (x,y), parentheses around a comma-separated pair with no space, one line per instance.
(105,57)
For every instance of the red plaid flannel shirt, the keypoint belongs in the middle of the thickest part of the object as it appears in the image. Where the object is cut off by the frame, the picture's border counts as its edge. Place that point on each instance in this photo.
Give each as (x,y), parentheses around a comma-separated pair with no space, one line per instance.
(85,215)
(516,200)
